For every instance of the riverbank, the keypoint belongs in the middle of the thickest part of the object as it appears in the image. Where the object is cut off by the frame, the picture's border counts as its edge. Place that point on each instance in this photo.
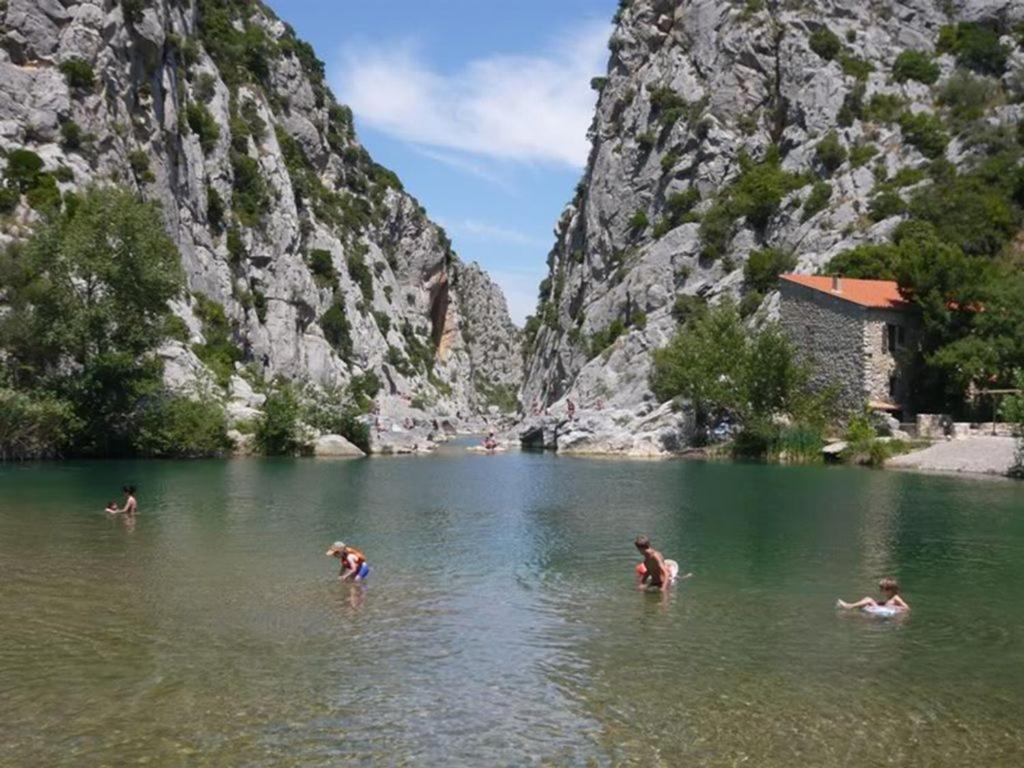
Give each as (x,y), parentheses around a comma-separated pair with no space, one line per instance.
(972,455)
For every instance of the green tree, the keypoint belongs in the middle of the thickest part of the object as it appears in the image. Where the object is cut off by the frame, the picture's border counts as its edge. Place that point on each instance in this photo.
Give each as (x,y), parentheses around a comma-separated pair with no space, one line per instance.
(87,305)
(723,370)
(704,364)
(278,429)
(93,281)
(36,426)
(173,426)
(1012,410)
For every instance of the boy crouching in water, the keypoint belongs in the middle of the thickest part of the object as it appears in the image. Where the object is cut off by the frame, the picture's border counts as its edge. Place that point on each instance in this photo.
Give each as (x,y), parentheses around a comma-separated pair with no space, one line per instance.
(890,598)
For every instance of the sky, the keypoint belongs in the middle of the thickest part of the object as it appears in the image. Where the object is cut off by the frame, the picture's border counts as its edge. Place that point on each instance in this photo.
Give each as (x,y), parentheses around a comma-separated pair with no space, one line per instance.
(480,106)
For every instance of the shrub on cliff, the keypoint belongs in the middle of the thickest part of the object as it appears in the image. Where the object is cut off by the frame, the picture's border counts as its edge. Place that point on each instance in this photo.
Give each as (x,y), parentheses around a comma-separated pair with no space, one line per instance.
(760,188)
(78,74)
(926,132)
(360,274)
(824,42)
(830,152)
(762,269)
(202,124)
(337,329)
(976,47)
(915,65)
(817,200)
(219,352)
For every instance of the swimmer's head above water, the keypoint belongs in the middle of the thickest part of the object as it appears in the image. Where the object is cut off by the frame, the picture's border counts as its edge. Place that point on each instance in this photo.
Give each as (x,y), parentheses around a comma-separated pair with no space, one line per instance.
(642,543)
(337,548)
(888,587)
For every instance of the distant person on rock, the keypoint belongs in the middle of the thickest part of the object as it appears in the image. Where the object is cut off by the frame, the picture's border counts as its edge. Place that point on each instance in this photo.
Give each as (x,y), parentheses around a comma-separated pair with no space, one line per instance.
(353,562)
(571,407)
(490,442)
(655,571)
(890,603)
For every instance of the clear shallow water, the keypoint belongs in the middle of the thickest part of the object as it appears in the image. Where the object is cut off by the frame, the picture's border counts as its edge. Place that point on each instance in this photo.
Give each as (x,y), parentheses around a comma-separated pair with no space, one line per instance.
(500,625)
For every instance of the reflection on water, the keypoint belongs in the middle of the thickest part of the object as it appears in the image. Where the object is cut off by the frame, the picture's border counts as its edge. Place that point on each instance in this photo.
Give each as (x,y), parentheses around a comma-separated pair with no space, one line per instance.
(501,625)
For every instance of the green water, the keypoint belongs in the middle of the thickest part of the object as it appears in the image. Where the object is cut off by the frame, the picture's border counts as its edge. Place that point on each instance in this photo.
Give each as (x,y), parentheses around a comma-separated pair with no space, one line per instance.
(500,625)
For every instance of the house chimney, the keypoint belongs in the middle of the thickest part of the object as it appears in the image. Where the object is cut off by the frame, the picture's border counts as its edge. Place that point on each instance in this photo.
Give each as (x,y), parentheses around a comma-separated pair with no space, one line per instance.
(837,284)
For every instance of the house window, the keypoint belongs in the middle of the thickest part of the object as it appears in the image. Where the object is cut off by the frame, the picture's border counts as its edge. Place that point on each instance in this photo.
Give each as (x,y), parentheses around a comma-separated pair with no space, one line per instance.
(893,338)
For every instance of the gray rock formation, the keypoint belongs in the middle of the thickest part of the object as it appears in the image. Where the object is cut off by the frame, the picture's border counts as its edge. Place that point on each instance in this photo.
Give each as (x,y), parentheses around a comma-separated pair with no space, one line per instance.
(324,266)
(335,446)
(694,90)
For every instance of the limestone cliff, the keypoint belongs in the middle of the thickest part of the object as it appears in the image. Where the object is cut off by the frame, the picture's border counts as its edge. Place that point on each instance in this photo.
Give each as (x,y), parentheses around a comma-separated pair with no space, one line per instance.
(727,127)
(324,267)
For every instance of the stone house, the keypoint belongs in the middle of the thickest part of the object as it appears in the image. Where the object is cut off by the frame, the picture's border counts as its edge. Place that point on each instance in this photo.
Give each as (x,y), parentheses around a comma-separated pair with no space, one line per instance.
(855,335)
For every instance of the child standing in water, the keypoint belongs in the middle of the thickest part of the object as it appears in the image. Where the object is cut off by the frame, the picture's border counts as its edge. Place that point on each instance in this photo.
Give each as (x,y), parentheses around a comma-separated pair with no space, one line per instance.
(891,599)
(131,506)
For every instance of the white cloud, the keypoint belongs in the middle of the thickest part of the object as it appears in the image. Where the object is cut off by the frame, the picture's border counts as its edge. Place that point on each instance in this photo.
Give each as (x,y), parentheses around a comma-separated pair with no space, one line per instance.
(533,108)
(481,230)
(466,165)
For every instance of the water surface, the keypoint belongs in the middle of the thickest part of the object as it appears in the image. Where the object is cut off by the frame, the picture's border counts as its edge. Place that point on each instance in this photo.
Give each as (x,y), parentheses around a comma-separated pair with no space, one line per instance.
(500,625)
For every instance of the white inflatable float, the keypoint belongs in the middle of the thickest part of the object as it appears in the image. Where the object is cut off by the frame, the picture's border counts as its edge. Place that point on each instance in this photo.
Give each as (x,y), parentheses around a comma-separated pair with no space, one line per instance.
(882,611)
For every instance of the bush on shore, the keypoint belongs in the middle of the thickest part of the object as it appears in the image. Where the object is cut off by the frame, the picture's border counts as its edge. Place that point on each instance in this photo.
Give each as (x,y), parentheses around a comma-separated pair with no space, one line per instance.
(32,427)
(173,426)
(749,379)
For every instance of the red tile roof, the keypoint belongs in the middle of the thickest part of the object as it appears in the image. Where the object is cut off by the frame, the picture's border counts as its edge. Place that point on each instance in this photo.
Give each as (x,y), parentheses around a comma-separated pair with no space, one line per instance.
(877,294)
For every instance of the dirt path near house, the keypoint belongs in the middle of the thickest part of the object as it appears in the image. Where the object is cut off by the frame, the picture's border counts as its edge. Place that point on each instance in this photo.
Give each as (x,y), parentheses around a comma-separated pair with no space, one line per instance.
(981,455)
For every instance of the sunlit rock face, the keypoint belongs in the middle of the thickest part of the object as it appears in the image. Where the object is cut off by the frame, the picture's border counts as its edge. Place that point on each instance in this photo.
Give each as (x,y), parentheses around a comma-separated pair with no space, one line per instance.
(325,268)
(697,91)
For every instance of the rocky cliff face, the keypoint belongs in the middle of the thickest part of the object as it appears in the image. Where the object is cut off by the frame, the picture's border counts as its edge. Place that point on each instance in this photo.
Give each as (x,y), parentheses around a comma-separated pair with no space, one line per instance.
(725,128)
(324,267)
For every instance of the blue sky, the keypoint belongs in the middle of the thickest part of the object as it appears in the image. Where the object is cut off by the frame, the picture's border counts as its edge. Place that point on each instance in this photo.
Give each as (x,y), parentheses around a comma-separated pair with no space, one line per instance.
(480,106)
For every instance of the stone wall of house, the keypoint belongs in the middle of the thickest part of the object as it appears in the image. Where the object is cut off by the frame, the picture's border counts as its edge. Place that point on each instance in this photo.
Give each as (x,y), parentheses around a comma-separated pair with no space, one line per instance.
(879,363)
(830,337)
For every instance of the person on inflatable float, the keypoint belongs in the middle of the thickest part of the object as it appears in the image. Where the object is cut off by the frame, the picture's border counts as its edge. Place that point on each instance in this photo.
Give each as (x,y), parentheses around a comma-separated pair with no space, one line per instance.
(891,602)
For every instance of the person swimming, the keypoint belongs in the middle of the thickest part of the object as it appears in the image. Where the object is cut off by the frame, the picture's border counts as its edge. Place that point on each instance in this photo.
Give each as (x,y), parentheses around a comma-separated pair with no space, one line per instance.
(112,507)
(890,603)
(353,562)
